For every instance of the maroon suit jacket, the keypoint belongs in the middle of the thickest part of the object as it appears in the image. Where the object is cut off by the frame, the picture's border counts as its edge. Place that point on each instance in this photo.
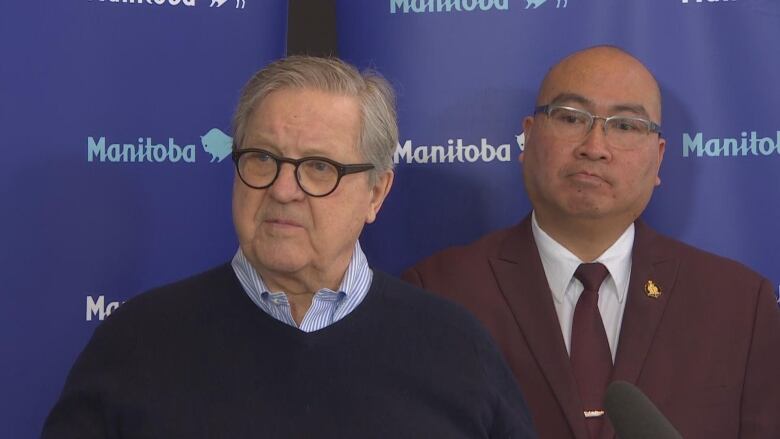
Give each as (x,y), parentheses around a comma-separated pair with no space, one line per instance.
(706,351)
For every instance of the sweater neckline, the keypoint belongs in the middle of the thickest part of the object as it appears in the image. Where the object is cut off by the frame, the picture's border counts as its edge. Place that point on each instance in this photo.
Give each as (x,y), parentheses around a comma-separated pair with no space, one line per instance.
(267,322)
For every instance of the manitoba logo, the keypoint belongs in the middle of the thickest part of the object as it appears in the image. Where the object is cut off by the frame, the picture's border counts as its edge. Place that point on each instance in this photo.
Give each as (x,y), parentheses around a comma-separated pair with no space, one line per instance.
(150,2)
(419,6)
(407,6)
(747,144)
(240,4)
(708,1)
(97,307)
(456,151)
(148,150)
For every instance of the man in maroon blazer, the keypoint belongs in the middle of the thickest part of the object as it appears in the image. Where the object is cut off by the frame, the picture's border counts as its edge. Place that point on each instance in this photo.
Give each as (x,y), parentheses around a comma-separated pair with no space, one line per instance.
(697,333)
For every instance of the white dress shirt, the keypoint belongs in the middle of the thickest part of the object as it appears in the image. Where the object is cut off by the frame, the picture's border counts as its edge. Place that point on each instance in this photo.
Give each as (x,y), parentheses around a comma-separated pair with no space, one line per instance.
(559,267)
(327,306)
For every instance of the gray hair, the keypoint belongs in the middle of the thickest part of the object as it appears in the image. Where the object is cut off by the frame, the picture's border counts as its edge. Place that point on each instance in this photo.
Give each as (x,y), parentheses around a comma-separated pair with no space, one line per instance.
(379,130)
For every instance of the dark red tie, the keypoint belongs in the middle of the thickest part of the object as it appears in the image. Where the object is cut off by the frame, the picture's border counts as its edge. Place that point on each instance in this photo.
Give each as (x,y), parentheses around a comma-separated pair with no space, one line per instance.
(590,354)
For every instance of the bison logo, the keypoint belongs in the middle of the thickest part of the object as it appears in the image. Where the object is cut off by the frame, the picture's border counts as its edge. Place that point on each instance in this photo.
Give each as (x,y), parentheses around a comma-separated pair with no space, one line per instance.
(217,143)
(520,138)
(240,4)
(537,3)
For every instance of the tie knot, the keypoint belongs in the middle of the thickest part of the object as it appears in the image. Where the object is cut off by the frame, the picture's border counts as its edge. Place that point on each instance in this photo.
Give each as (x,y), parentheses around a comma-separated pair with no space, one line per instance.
(591,275)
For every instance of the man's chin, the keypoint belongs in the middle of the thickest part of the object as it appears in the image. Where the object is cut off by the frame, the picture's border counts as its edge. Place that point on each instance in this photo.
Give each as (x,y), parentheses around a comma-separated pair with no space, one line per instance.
(276,258)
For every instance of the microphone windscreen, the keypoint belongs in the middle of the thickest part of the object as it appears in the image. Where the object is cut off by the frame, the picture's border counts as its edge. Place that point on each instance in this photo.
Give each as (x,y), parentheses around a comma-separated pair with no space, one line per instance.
(634,416)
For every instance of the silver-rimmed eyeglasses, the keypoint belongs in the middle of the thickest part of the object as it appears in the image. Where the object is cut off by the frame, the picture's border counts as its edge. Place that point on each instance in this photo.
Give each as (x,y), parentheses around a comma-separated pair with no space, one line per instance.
(573,124)
(316,176)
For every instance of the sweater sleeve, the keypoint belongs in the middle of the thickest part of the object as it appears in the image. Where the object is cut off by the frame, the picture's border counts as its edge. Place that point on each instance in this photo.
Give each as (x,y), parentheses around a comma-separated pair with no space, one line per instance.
(511,417)
(81,410)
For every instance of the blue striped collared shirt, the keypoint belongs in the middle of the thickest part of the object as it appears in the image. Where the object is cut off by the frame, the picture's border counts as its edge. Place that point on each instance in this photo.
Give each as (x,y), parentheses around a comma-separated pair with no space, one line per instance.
(327,306)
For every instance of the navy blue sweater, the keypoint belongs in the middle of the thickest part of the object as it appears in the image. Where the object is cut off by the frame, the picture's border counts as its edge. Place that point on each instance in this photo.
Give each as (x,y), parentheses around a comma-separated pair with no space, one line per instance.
(198,359)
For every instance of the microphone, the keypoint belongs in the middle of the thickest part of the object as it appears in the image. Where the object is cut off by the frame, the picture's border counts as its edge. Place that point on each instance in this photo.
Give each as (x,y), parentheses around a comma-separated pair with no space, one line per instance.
(634,416)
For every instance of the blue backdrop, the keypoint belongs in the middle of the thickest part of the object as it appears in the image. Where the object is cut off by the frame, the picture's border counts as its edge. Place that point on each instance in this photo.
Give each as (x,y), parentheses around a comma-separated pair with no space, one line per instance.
(467,72)
(115,123)
(105,184)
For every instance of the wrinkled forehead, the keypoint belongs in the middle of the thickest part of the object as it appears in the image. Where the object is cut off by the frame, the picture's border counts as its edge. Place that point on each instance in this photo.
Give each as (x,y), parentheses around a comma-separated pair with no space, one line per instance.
(606,78)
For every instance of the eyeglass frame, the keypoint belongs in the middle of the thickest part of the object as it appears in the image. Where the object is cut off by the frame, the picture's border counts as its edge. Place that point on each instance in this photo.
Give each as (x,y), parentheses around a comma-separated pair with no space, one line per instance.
(546,109)
(341,169)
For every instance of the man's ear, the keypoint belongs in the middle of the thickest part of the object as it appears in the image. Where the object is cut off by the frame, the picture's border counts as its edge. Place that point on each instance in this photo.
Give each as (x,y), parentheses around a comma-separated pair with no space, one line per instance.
(378,194)
(661,151)
(528,124)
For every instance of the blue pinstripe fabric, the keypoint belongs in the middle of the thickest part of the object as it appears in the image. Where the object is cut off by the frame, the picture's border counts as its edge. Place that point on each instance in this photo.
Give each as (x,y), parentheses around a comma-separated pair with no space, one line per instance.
(327,306)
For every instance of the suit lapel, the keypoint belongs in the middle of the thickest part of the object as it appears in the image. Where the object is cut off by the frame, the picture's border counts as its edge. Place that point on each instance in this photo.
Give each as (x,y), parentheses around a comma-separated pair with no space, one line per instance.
(643,313)
(521,279)
(649,267)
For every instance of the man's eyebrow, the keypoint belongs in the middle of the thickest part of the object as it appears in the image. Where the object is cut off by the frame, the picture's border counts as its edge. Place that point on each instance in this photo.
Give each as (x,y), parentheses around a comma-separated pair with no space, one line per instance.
(263,142)
(637,109)
(571,98)
(257,141)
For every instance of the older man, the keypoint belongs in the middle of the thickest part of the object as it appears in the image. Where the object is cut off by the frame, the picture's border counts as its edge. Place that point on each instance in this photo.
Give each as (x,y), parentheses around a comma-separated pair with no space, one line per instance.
(298,337)
(583,292)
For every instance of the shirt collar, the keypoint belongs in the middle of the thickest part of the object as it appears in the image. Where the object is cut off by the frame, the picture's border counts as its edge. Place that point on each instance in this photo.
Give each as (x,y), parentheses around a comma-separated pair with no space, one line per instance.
(560,264)
(358,266)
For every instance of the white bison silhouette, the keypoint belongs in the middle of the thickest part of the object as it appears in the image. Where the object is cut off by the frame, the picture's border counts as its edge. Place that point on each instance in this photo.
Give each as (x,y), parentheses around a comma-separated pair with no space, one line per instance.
(239,3)
(537,3)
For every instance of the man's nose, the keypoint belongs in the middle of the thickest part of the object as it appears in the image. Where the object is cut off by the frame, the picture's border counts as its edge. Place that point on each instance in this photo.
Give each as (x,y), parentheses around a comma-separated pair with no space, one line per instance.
(595,145)
(286,188)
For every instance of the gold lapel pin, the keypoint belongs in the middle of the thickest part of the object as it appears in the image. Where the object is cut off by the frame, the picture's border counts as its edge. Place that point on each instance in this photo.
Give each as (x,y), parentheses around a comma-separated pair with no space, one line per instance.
(652,290)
